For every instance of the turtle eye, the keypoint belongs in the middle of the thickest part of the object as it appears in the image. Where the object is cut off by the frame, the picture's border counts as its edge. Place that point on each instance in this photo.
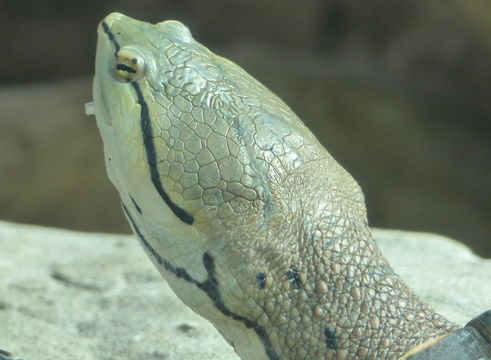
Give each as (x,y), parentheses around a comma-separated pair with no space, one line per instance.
(128,65)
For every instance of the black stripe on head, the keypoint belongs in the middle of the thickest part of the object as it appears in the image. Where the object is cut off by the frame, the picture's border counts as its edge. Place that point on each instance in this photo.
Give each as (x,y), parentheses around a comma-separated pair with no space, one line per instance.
(146,129)
(110,35)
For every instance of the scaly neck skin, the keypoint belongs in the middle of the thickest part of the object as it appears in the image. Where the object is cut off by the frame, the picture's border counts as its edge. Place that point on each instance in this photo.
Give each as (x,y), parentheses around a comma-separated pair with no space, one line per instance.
(367,311)
(339,300)
(322,289)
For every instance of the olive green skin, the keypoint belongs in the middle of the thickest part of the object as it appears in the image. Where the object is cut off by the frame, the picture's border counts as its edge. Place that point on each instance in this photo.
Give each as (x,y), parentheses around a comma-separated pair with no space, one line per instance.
(247,216)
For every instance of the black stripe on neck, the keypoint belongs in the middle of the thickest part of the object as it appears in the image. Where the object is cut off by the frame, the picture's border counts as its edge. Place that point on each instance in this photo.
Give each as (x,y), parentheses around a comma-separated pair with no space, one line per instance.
(209,286)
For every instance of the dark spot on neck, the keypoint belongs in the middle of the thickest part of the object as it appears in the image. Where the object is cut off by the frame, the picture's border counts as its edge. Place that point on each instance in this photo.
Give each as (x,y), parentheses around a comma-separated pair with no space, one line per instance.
(261,279)
(331,338)
(294,276)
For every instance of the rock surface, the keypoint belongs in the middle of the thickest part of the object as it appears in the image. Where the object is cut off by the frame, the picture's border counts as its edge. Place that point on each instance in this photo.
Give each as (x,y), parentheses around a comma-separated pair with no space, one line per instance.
(70,295)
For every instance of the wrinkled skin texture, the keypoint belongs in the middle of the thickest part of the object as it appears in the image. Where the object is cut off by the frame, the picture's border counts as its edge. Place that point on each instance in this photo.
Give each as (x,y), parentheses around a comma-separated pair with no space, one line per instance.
(246,215)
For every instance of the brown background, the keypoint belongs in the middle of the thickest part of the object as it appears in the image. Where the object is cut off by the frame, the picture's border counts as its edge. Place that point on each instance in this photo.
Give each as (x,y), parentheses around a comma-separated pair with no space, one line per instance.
(398,91)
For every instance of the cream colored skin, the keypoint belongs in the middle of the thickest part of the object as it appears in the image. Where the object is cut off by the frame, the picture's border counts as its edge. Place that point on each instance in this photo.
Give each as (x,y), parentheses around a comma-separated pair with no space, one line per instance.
(263,233)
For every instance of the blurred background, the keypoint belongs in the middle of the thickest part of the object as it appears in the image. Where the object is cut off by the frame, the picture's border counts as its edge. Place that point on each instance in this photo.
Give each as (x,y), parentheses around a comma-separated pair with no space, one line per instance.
(398,91)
